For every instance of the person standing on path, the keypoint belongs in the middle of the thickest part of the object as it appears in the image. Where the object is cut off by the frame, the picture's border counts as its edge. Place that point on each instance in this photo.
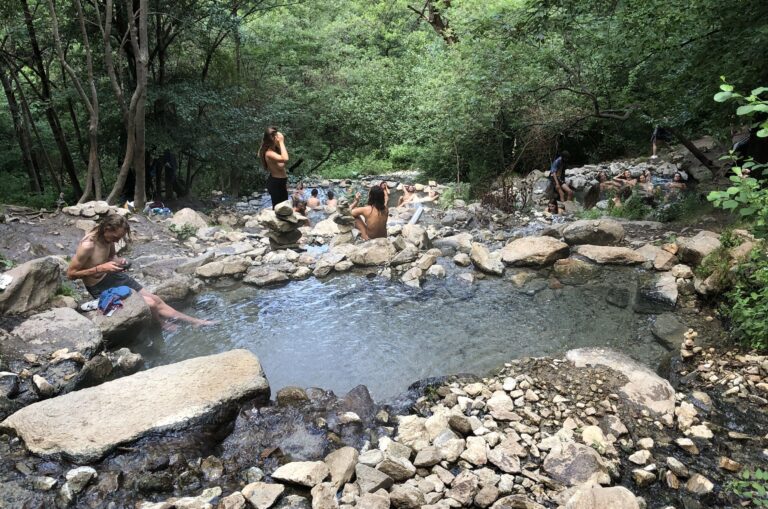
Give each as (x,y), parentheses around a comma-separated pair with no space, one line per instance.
(274,155)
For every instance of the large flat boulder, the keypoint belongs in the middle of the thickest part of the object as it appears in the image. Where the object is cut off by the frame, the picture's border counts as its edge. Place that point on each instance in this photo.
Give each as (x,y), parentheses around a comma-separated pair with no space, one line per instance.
(610,255)
(536,251)
(645,388)
(600,232)
(32,285)
(85,425)
(59,328)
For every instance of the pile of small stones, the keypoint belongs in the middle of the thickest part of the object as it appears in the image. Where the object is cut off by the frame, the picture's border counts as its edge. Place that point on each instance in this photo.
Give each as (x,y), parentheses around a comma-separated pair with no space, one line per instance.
(283,225)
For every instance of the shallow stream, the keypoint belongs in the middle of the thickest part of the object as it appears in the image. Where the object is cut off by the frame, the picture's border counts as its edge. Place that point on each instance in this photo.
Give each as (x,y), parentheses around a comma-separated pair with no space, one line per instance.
(351,329)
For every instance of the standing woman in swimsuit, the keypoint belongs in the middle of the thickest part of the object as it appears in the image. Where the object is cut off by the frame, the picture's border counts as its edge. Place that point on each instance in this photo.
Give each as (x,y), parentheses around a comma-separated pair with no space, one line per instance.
(274,155)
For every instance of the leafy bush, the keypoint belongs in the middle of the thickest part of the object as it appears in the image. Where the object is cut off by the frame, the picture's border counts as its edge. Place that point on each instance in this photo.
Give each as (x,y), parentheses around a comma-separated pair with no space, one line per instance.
(593,213)
(5,263)
(746,302)
(633,208)
(752,486)
(453,192)
(66,290)
(353,168)
(183,232)
(745,198)
(685,209)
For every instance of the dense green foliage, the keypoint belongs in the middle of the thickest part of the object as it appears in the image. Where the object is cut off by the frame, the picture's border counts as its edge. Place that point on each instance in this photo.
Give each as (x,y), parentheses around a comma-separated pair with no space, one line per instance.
(746,302)
(369,87)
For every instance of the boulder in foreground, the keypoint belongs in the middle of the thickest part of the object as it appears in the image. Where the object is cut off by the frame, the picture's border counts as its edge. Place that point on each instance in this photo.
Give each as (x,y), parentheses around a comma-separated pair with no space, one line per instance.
(645,388)
(85,425)
(536,251)
(32,284)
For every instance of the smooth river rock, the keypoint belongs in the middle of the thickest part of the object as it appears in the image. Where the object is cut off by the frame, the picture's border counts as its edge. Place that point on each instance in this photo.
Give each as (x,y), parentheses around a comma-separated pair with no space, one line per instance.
(59,328)
(33,284)
(645,388)
(126,323)
(485,261)
(373,252)
(87,424)
(189,218)
(692,250)
(536,251)
(610,254)
(600,232)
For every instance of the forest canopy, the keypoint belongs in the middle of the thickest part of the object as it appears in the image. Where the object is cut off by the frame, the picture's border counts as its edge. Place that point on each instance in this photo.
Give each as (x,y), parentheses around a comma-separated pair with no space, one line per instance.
(458,89)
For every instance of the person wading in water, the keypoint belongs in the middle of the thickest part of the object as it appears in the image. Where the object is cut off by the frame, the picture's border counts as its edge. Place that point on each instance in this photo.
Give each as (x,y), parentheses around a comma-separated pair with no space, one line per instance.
(274,155)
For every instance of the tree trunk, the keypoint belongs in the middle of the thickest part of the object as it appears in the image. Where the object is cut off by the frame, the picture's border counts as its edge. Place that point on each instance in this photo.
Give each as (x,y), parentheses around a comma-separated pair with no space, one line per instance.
(22,135)
(142,61)
(50,112)
(693,149)
(93,179)
(31,123)
(76,127)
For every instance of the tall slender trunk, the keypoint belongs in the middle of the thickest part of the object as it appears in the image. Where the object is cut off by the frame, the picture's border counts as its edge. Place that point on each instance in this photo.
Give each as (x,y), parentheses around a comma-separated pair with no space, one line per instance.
(22,135)
(31,123)
(76,128)
(142,61)
(93,180)
(50,112)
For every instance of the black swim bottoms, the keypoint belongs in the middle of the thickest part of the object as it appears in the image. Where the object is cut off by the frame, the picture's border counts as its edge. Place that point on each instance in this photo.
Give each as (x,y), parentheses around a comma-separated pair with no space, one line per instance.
(278,189)
(112,280)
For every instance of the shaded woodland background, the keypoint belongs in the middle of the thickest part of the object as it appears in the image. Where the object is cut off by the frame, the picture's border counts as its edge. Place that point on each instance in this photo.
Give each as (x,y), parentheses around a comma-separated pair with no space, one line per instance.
(459,89)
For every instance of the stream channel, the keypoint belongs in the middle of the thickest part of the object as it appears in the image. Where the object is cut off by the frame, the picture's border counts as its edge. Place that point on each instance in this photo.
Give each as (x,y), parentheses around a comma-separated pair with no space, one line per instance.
(351,329)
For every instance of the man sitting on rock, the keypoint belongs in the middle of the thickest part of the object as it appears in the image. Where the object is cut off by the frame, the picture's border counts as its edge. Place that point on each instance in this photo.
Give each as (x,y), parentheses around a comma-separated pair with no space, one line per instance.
(97,264)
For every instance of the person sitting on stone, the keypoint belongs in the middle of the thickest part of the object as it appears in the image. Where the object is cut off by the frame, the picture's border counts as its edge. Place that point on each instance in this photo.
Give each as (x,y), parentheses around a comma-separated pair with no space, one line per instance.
(409,194)
(625,179)
(385,187)
(677,183)
(97,264)
(314,201)
(557,177)
(645,187)
(371,220)
(330,200)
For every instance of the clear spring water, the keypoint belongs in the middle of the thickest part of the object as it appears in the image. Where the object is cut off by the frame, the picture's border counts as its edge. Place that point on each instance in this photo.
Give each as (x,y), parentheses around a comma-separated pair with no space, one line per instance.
(351,329)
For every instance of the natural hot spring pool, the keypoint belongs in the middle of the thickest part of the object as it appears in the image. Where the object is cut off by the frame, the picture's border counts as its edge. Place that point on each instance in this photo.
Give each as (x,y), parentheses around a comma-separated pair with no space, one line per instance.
(350,330)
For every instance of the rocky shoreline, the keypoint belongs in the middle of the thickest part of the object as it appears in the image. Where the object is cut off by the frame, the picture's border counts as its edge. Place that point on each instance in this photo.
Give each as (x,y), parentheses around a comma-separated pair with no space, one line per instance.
(594,429)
